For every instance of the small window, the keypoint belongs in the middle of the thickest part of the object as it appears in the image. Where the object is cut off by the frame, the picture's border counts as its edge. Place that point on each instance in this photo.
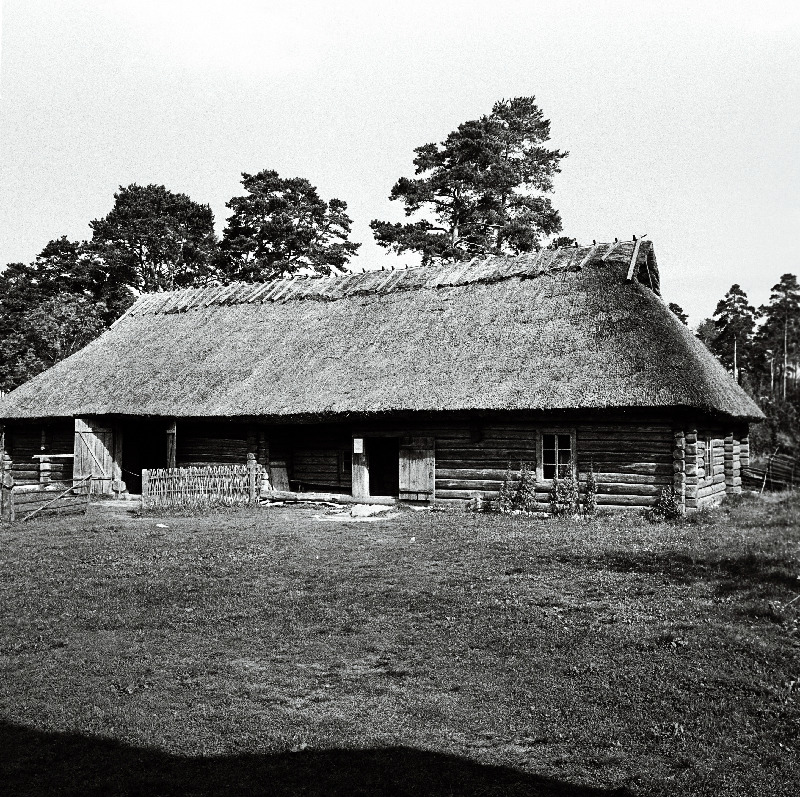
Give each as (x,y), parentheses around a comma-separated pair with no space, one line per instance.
(556,455)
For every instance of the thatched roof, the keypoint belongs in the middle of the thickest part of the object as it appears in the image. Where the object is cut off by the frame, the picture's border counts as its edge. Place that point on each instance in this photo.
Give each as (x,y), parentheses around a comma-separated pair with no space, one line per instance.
(574,328)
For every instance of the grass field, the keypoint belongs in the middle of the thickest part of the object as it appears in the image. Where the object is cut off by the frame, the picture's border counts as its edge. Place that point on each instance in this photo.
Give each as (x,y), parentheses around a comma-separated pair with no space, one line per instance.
(270,652)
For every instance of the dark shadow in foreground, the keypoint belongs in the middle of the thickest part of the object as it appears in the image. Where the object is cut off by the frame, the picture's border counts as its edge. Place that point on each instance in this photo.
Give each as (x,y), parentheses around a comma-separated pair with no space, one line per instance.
(37,763)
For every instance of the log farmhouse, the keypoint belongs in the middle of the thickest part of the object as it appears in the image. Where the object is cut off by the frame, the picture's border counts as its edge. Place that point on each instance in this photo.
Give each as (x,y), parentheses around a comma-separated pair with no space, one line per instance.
(419,384)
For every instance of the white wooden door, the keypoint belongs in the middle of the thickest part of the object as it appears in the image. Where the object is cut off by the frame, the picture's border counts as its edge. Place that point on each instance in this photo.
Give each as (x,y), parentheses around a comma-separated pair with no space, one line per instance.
(417,469)
(95,452)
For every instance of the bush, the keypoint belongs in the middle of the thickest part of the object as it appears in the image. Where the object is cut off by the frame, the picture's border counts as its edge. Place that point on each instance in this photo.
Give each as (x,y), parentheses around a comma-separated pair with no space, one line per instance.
(564,498)
(590,499)
(668,507)
(525,495)
(516,496)
(508,490)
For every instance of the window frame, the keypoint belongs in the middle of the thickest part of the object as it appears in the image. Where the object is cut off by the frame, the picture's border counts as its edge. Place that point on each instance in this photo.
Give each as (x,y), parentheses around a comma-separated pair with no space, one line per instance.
(556,430)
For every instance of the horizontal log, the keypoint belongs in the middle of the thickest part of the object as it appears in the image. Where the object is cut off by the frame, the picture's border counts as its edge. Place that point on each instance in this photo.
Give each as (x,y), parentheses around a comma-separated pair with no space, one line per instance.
(468,484)
(658,438)
(714,489)
(629,478)
(633,457)
(474,473)
(650,468)
(619,446)
(29,503)
(624,500)
(633,428)
(465,494)
(49,489)
(604,488)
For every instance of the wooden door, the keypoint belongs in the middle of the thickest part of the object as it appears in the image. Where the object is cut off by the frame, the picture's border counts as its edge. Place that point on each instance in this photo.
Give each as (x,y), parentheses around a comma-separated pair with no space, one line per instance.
(98,452)
(417,469)
(360,470)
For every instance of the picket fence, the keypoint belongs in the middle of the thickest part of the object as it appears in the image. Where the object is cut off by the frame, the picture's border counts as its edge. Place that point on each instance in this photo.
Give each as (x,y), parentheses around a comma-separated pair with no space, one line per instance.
(202,486)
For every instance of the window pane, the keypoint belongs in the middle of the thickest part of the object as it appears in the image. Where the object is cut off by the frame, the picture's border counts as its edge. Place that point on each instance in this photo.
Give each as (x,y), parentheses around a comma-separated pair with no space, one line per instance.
(549,471)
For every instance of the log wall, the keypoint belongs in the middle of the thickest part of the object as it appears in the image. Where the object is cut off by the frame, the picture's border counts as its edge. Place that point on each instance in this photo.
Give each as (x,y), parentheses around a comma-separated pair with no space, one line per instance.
(714,458)
(633,462)
(28,441)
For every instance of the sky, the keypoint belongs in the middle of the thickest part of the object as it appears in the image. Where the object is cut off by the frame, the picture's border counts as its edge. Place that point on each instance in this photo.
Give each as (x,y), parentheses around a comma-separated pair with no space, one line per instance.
(682,119)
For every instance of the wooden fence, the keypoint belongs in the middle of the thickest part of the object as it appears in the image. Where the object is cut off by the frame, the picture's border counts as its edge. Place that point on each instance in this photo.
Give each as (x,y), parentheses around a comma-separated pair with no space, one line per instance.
(781,472)
(200,487)
(22,501)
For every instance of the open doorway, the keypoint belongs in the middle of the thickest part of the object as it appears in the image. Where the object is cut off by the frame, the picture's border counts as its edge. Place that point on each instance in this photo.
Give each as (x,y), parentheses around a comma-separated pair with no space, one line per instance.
(144,446)
(383,454)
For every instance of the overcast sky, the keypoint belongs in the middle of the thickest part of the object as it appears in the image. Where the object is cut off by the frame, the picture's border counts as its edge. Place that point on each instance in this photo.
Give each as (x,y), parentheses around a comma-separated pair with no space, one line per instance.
(682,119)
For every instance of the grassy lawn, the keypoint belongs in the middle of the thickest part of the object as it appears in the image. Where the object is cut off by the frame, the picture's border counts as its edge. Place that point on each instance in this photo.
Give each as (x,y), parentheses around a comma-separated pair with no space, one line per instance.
(269,652)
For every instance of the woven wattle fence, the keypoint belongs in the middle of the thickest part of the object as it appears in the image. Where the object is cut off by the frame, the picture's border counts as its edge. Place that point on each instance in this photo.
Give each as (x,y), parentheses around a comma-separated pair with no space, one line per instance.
(200,487)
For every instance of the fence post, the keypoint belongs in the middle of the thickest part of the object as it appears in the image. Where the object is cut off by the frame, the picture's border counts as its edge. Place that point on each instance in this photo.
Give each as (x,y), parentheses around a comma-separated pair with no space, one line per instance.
(252,471)
(145,486)
(6,485)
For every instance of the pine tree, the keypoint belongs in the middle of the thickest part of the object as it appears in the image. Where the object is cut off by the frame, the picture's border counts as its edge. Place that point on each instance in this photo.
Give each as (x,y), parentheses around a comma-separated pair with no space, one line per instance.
(779,335)
(479,185)
(734,321)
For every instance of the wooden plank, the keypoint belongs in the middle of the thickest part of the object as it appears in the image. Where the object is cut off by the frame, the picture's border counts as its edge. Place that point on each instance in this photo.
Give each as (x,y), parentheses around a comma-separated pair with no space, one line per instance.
(339,498)
(634,258)
(360,474)
(172,439)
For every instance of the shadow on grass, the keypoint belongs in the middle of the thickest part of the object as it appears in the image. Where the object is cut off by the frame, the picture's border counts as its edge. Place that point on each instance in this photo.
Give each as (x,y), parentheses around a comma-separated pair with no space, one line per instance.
(745,571)
(37,763)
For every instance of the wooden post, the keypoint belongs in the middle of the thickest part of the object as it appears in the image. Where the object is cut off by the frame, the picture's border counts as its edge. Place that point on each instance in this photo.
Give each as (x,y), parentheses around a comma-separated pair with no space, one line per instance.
(172,433)
(145,486)
(6,483)
(44,469)
(691,469)
(733,474)
(252,483)
(744,451)
(360,470)
(679,467)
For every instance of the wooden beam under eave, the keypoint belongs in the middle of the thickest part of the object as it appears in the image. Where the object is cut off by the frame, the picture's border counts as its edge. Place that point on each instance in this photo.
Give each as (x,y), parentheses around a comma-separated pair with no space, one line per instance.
(172,434)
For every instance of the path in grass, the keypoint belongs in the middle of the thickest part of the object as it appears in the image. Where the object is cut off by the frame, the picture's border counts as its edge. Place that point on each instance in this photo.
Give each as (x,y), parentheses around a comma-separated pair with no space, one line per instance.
(614,653)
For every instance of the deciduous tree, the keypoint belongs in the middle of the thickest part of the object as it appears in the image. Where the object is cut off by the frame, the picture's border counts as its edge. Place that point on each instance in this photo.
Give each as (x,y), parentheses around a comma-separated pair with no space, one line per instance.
(155,240)
(282,226)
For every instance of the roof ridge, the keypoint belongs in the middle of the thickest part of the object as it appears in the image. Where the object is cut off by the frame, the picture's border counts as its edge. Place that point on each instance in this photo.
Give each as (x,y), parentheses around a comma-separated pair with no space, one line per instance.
(331,287)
